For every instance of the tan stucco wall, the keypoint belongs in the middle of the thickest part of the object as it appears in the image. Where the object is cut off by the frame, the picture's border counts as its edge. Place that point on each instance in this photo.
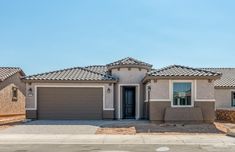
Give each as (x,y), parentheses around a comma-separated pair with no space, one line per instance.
(9,107)
(206,109)
(129,77)
(223,98)
(160,89)
(205,90)
(109,100)
(132,76)
(203,96)
(157,110)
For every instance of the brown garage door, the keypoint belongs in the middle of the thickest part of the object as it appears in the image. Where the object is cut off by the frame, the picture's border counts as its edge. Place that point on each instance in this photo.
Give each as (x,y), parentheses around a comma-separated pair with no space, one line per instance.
(70,103)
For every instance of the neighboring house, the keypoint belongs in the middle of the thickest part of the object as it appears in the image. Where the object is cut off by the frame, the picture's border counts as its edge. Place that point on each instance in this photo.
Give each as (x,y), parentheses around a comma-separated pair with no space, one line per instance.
(12,91)
(225,88)
(125,89)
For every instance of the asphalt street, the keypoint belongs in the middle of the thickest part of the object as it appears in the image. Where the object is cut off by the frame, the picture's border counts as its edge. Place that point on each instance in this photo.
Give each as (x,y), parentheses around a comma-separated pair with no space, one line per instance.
(115,148)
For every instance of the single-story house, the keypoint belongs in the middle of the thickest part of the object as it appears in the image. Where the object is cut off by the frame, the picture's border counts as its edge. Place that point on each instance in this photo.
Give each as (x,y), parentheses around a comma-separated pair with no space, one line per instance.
(125,89)
(12,91)
(225,88)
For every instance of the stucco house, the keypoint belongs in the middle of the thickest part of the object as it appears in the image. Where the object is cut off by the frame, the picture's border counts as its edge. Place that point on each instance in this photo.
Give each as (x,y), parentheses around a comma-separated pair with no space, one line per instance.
(12,91)
(125,89)
(225,88)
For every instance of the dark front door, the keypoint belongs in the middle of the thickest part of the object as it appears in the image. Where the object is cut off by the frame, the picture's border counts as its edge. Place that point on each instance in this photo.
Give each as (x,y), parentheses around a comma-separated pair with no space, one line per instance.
(128,102)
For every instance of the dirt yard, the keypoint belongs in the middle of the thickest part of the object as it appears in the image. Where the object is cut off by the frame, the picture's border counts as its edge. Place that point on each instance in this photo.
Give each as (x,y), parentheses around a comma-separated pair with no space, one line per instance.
(151,128)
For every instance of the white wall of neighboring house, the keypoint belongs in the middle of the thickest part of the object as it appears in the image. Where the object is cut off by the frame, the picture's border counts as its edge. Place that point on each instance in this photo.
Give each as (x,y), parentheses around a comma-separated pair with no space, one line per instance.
(223,98)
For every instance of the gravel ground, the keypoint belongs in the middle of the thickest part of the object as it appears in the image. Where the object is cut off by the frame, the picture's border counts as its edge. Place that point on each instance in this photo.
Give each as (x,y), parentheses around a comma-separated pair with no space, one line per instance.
(150,128)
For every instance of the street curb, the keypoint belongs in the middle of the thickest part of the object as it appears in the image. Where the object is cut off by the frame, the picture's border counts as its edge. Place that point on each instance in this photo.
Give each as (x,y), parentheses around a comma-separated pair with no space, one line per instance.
(116,139)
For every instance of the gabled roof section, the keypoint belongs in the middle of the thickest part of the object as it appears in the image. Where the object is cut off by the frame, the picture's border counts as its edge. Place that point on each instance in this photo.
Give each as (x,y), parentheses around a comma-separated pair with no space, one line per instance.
(98,68)
(228,77)
(71,74)
(183,71)
(6,72)
(129,62)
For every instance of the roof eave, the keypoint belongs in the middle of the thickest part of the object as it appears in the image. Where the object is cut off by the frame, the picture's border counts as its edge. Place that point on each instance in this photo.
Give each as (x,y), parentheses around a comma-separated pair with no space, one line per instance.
(129,66)
(69,81)
(224,87)
(147,78)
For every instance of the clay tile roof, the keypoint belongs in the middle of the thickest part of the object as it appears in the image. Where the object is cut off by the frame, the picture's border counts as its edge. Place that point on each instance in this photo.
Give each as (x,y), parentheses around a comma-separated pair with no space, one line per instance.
(227,79)
(6,72)
(73,74)
(98,68)
(178,70)
(129,61)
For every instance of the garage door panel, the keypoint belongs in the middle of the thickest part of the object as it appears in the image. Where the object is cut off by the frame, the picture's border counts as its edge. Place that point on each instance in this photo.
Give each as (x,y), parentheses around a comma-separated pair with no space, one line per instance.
(70,103)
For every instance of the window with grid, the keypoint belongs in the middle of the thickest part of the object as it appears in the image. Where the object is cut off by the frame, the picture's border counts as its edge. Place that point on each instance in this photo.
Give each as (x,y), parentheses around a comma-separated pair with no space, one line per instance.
(182,94)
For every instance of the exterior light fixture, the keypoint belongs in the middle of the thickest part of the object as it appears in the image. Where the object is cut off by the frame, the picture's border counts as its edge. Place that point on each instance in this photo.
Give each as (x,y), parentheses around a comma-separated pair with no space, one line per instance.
(30,92)
(149,88)
(108,90)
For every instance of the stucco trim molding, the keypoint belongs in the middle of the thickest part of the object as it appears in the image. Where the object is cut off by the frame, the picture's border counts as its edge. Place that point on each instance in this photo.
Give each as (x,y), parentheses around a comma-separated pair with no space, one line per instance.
(67,86)
(137,114)
(157,100)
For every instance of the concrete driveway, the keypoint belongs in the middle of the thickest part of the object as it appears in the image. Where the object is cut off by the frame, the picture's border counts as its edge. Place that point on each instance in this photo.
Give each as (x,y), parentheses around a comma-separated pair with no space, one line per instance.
(56,127)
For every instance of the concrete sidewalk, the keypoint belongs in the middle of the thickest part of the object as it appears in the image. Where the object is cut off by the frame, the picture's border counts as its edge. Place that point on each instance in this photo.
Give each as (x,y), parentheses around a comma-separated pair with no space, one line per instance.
(217,140)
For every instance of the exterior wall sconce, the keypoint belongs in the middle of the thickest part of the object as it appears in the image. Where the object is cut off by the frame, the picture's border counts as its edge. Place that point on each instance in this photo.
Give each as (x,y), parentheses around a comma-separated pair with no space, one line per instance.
(149,88)
(108,90)
(30,92)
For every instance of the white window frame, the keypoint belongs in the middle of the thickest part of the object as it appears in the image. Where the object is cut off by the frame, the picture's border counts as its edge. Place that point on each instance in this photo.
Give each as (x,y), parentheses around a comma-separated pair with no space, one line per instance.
(172,93)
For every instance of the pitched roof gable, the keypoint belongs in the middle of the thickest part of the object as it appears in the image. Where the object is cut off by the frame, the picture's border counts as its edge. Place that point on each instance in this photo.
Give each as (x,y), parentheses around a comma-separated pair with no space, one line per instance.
(129,61)
(227,79)
(183,71)
(6,72)
(72,74)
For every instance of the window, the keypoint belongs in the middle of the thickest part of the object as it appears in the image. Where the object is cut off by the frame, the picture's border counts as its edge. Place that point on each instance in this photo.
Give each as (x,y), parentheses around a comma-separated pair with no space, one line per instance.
(182,94)
(233,99)
(14,94)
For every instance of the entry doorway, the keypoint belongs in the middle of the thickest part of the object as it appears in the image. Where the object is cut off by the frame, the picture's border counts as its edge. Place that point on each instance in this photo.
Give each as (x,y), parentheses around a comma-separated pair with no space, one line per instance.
(129,102)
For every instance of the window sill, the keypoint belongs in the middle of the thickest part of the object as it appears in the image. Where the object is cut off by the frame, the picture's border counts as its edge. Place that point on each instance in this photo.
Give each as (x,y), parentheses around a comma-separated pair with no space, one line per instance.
(191,106)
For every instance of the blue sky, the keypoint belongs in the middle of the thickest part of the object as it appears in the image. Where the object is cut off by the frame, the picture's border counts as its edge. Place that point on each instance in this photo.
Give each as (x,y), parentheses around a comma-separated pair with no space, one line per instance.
(43,35)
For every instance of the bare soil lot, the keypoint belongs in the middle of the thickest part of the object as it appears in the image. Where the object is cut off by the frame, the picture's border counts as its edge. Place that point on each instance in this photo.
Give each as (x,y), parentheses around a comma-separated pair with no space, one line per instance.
(167,128)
